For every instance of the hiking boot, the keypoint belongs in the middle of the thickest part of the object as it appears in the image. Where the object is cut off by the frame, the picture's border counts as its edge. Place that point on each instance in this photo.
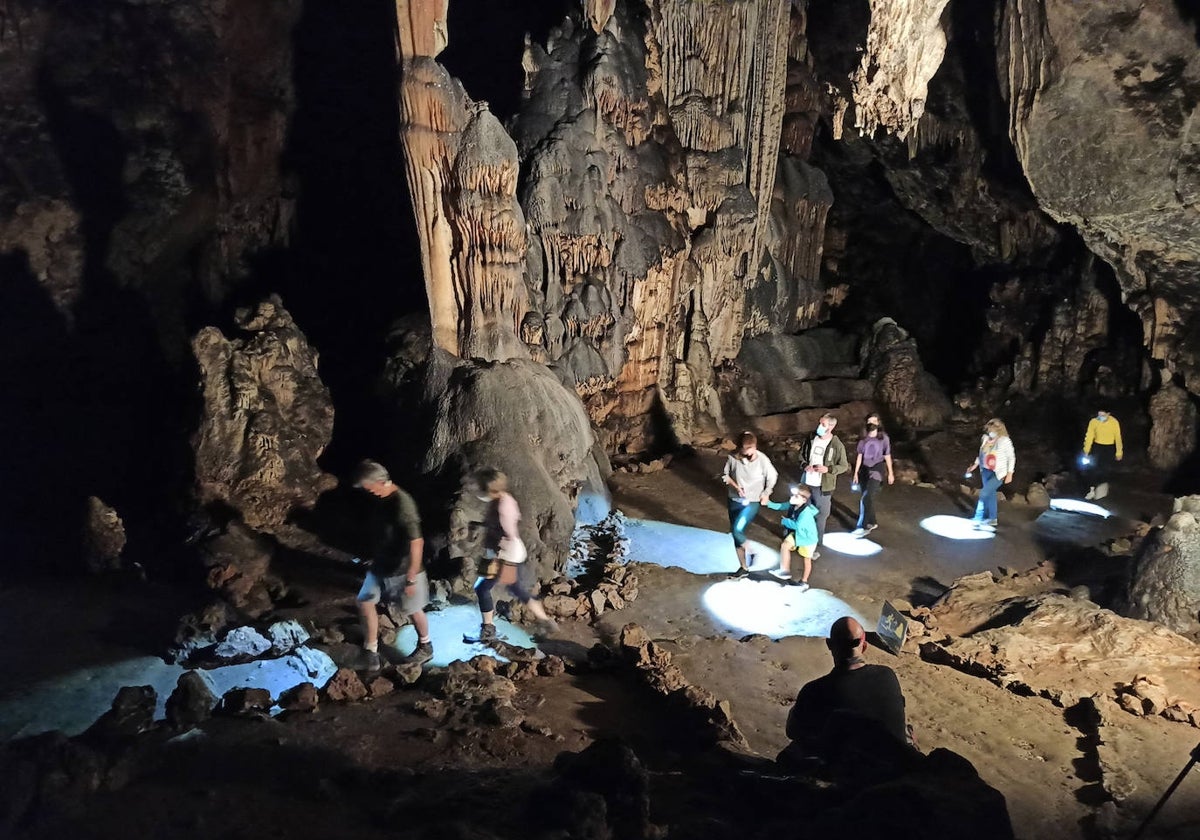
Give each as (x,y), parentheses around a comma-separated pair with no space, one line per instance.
(487,632)
(420,655)
(859,532)
(741,572)
(368,660)
(782,574)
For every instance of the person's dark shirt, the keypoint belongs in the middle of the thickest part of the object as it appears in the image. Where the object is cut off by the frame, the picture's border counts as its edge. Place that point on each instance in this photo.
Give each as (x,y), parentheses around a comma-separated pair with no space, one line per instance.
(871,692)
(392,523)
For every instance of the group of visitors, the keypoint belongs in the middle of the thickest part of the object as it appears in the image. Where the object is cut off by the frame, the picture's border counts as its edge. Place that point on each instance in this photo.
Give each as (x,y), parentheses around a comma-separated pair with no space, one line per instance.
(750,478)
(397,572)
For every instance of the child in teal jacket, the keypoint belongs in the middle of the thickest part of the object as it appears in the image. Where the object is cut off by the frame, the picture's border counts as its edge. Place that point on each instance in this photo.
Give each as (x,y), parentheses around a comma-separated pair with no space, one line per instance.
(800,520)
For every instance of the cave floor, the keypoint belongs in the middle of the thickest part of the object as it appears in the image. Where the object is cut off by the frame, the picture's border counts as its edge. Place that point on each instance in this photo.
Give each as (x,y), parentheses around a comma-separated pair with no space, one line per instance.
(304,776)
(1023,746)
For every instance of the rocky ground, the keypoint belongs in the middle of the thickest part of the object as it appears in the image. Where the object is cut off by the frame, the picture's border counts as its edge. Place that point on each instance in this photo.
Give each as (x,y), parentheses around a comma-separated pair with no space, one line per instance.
(1036,688)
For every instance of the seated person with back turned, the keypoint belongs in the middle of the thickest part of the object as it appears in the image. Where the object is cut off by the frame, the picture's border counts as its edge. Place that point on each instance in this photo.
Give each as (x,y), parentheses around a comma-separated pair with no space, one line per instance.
(856,708)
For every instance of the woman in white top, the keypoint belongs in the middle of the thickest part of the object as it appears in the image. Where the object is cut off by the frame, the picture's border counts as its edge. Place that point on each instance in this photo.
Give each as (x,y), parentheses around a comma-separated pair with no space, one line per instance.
(503,553)
(750,477)
(997,460)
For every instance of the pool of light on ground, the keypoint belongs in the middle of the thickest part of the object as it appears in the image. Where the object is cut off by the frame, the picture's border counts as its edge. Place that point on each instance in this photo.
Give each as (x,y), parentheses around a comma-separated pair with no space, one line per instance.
(955,528)
(755,604)
(1080,506)
(448,625)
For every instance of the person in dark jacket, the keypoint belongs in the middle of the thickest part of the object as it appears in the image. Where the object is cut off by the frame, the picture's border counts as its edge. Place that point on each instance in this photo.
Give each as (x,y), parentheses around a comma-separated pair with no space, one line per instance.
(824,458)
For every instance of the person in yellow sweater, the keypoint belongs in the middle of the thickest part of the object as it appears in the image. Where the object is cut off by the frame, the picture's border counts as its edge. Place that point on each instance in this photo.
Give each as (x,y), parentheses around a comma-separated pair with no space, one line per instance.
(1102,447)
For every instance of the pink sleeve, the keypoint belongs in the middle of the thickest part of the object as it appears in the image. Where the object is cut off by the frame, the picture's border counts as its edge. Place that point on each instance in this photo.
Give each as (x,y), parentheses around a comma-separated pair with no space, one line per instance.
(510,515)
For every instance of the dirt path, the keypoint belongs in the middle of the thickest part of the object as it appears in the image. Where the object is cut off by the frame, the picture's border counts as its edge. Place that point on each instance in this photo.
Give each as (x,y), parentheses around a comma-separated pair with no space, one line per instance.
(1025,747)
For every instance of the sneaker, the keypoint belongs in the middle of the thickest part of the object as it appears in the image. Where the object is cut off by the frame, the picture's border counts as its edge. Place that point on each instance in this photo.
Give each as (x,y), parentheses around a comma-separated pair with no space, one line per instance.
(423,653)
(741,572)
(487,632)
(816,555)
(1101,490)
(992,523)
(782,574)
(859,532)
(1090,494)
(871,528)
(802,586)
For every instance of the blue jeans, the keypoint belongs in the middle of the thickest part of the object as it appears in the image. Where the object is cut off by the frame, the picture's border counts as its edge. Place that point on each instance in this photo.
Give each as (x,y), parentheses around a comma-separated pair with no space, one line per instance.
(740,517)
(985,511)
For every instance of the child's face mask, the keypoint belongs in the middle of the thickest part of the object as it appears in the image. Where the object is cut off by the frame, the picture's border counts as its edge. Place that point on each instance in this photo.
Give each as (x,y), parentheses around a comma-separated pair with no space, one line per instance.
(799,501)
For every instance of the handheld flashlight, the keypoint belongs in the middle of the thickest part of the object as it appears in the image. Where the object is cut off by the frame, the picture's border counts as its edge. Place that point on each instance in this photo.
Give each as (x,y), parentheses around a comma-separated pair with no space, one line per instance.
(793,490)
(1085,460)
(968,474)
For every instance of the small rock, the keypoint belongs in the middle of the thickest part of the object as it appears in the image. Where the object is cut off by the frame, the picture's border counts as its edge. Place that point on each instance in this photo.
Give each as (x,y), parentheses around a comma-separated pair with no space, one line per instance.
(560,606)
(1037,496)
(1080,593)
(243,641)
(1176,713)
(407,673)
(286,635)
(598,601)
(654,466)
(191,703)
(502,713)
(1120,546)
(560,587)
(345,685)
(246,701)
(380,686)
(132,713)
(1132,703)
(552,666)
(300,698)
(431,707)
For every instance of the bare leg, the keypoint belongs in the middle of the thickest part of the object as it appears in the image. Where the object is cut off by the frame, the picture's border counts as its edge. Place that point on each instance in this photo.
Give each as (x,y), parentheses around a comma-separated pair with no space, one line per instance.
(370,624)
(807,569)
(785,557)
(421,622)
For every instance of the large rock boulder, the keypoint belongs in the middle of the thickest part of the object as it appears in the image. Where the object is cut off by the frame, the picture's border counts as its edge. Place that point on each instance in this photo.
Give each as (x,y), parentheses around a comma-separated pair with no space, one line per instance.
(1166,581)
(267,418)
(1173,426)
(518,417)
(909,396)
(780,373)
(1102,107)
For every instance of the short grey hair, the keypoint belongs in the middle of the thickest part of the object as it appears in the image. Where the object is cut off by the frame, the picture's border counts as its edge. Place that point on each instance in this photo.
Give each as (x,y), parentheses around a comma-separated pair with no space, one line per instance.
(370,472)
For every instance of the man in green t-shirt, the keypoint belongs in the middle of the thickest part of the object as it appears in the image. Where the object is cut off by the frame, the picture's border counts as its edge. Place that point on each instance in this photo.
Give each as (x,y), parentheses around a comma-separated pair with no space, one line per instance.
(397,573)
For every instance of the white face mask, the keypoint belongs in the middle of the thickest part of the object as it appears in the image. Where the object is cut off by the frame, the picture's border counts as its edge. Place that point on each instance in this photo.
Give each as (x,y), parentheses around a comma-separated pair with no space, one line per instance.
(484,497)
(1101,417)
(992,435)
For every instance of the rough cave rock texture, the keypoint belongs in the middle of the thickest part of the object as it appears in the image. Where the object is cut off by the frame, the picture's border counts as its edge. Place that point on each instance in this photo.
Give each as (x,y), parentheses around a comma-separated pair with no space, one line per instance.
(1055,646)
(267,418)
(515,416)
(906,392)
(638,206)
(1103,104)
(141,144)
(1166,581)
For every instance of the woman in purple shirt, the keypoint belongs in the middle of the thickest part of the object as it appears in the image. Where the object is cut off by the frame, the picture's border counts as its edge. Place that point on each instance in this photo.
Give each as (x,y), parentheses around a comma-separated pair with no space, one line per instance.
(874,455)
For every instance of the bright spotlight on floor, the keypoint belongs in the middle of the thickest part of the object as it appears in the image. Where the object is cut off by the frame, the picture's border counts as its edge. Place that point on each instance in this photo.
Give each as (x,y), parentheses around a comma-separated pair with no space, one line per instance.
(774,609)
(843,543)
(954,528)
(1079,506)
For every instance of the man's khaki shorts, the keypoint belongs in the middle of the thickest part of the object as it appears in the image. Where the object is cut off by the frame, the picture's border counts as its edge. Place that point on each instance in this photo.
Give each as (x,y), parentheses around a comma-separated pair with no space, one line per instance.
(390,590)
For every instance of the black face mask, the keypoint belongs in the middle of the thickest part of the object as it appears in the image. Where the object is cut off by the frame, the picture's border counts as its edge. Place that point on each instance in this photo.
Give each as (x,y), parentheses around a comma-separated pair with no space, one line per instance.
(871,427)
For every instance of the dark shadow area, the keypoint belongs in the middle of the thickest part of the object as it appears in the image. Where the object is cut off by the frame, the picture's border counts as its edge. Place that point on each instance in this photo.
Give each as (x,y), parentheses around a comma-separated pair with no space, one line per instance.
(1012,614)
(1082,718)
(355,261)
(926,591)
(1190,11)
(487,42)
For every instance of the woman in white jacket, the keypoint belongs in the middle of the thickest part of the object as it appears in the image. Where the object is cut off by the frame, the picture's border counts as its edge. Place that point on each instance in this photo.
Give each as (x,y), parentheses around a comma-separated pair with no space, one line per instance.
(997,460)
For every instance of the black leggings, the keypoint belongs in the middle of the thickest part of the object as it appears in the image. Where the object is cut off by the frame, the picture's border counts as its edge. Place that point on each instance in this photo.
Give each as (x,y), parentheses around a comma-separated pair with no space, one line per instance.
(483,591)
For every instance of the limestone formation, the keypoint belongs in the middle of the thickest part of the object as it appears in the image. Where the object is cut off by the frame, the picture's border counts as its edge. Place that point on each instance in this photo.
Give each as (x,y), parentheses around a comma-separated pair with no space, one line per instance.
(192,701)
(905,45)
(1173,418)
(1052,645)
(1166,580)
(909,396)
(1102,99)
(103,538)
(517,417)
(267,418)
